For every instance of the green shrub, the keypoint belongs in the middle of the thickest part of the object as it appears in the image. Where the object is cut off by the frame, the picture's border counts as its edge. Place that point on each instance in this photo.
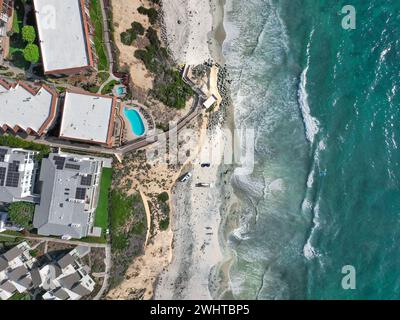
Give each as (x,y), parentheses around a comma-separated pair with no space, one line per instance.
(175,92)
(151,13)
(163,197)
(28,34)
(108,87)
(137,28)
(16,142)
(31,53)
(128,37)
(164,224)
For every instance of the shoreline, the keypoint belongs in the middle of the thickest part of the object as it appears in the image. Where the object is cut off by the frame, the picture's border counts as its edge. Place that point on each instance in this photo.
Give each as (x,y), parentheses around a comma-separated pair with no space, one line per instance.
(217,35)
(201,259)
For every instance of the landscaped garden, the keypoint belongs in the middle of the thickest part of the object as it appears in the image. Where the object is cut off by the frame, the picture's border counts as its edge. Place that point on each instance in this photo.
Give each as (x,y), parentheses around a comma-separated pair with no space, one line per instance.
(102,211)
(97,19)
(24,48)
(21,214)
(108,87)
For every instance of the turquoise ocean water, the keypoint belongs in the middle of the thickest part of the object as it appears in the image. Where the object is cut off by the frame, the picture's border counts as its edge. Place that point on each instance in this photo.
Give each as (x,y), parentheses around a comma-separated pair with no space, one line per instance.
(324,102)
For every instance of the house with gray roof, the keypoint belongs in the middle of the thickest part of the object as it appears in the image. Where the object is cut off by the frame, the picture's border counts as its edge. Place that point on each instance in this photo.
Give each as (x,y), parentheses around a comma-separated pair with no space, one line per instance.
(18,169)
(64,278)
(69,197)
(73,282)
(14,271)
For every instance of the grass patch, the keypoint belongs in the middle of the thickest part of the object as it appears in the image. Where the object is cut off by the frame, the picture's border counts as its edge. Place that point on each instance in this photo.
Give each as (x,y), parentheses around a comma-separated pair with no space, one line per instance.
(128,232)
(16,23)
(20,296)
(7,239)
(61,89)
(127,218)
(107,89)
(17,44)
(101,219)
(103,77)
(94,240)
(97,20)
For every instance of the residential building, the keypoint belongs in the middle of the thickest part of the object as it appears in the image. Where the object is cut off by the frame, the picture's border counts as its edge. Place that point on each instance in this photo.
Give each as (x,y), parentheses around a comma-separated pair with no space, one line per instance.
(18,170)
(88,118)
(27,108)
(65,36)
(70,280)
(14,271)
(6,7)
(69,197)
(6,10)
(65,278)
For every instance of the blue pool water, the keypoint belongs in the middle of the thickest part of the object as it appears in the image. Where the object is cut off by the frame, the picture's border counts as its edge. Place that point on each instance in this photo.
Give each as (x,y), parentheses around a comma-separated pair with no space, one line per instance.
(120,90)
(136,121)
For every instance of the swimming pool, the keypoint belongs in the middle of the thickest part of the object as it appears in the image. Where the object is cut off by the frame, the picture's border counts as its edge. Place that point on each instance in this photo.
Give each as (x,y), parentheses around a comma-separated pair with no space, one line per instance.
(136,121)
(120,91)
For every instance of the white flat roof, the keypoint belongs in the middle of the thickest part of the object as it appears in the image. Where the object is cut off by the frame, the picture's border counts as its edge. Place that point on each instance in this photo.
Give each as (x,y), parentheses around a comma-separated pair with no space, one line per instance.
(19,107)
(62,34)
(209,102)
(86,117)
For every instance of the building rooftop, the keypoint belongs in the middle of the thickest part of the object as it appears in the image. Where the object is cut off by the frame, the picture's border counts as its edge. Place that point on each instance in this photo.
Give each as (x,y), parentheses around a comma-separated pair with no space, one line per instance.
(63,34)
(88,118)
(25,108)
(3,264)
(69,195)
(17,172)
(13,253)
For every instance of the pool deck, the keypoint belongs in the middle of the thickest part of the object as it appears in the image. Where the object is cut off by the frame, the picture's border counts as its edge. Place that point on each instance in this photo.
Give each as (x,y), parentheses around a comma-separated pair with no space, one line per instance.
(129,135)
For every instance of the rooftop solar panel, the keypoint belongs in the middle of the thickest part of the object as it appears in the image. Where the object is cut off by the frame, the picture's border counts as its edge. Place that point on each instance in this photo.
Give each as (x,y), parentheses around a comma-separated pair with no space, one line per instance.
(2,176)
(3,153)
(13,175)
(80,193)
(86,180)
(59,162)
(12,179)
(72,166)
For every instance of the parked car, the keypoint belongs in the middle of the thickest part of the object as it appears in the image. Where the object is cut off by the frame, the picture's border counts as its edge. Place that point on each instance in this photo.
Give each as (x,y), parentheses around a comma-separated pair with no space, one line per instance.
(185,177)
(205,165)
(203,185)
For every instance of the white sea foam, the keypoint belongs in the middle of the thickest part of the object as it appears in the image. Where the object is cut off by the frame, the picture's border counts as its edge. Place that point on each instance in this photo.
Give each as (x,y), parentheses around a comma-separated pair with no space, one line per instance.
(308,250)
(311,124)
(310,179)
(384,53)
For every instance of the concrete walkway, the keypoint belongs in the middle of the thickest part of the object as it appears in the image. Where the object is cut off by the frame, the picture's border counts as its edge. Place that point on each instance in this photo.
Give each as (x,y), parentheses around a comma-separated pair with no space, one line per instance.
(106,280)
(107,43)
(73,242)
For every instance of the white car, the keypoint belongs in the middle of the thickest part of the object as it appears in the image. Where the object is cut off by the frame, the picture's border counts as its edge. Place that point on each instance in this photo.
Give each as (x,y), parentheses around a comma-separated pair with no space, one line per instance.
(185,177)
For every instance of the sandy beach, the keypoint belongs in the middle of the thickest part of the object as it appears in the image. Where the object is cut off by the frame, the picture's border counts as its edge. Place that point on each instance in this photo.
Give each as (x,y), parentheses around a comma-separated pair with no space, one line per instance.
(195,225)
(193,30)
